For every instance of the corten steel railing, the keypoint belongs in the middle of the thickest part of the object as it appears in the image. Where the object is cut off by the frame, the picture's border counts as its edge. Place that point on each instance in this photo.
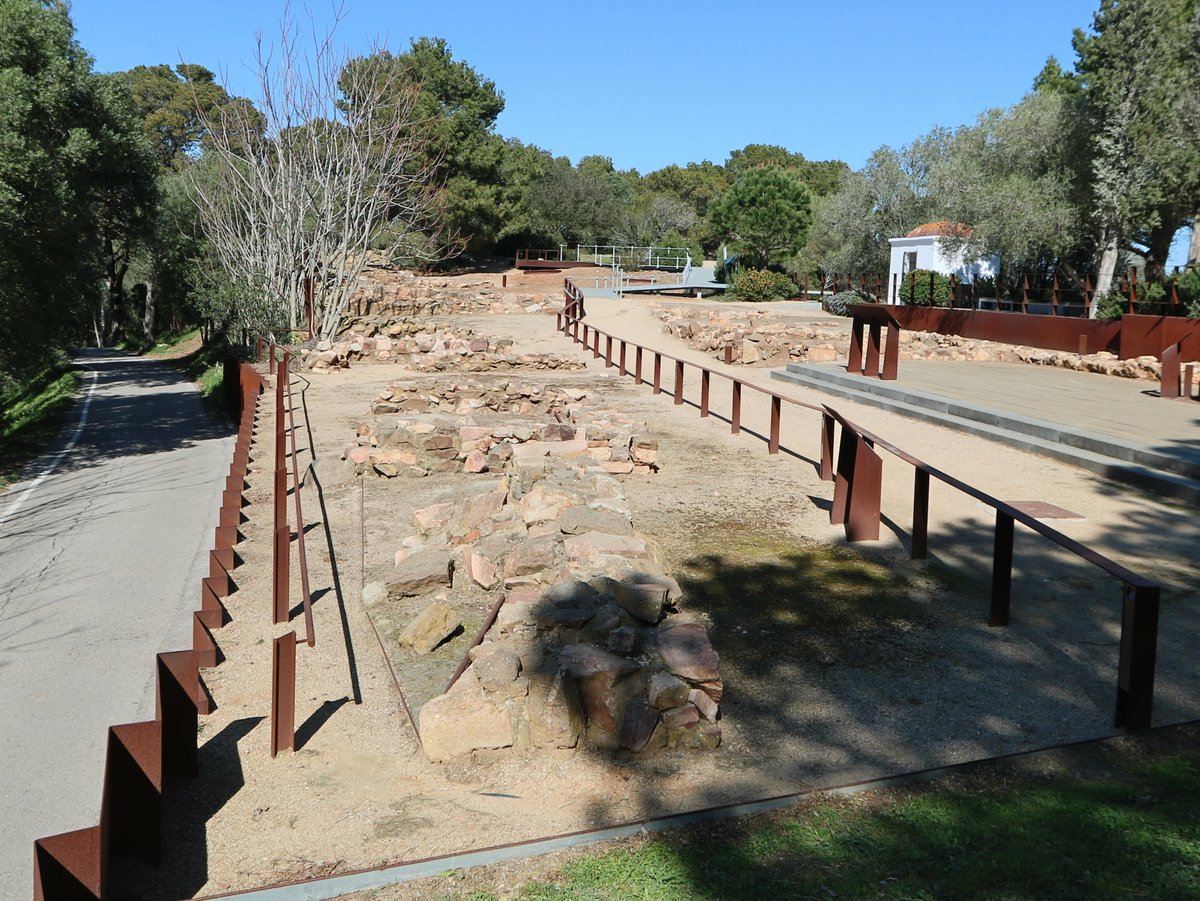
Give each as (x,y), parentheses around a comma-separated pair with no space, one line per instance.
(857,476)
(141,758)
(882,357)
(283,666)
(1047,298)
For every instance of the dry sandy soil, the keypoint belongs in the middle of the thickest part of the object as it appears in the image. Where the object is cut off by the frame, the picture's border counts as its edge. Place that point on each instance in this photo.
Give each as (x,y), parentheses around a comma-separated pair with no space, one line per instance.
(841,662)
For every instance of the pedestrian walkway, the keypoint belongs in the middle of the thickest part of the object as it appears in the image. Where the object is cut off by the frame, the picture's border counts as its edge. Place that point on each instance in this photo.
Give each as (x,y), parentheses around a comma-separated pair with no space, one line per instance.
(1117,427)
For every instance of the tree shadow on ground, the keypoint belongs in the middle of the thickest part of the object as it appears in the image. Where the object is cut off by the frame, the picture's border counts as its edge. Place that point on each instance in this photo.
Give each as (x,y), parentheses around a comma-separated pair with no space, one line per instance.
(188,805)
(1109,821)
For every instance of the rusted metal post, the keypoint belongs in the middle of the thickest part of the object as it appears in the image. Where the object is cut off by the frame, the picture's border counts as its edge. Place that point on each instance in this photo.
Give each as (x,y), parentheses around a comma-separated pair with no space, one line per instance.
(895,289)
(776,411)
(271,364)
(657,372)
(281,575)
(1054,295)
(1188,375)
(891,353)
(871,367)
(1087,295)
(283,694)
(1002,561)
(854,360)
(608,342)
(1139,645)
(1168,382)
(857,488)
(622,370)
(595,344)
(637,365)
(735,417)
(827,423)
(678,382)
(1132,290)
(705,378)
(920,524)
(1025,294)
(728,352)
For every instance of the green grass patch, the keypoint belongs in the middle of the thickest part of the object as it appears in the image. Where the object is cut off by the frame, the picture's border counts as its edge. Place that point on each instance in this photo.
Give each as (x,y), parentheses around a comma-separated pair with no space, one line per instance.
(1133,834)
(32,413)
(172,345)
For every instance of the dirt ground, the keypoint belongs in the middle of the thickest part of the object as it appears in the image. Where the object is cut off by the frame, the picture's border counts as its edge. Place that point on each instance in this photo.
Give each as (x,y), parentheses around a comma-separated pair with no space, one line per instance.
(841,663)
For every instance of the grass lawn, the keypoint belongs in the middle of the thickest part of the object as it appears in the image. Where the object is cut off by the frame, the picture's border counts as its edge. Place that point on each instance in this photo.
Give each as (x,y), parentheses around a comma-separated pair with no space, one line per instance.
(1117,820)
(32,414)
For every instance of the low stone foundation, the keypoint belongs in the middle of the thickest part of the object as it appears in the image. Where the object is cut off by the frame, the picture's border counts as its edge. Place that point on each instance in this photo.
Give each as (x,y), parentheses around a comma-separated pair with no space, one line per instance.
(589,647)
(419,438)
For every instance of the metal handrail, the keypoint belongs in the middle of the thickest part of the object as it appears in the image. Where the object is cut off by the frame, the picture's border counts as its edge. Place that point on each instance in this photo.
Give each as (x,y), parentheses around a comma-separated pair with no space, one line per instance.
(1139,625)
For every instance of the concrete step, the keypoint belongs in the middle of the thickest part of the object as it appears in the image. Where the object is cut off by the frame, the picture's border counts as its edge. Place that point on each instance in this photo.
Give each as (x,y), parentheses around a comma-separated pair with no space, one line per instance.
(1173,475)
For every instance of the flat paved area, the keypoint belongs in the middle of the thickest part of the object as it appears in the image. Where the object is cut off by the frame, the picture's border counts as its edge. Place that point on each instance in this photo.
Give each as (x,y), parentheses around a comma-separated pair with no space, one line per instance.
(1123,408)
(100,568)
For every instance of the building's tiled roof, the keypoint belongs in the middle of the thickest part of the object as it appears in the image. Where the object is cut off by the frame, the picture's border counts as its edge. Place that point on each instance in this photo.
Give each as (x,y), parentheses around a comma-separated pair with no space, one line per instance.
(941,227)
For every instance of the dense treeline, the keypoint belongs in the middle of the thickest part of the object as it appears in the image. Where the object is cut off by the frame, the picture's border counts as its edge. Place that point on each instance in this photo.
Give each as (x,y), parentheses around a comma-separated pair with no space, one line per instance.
(119,206)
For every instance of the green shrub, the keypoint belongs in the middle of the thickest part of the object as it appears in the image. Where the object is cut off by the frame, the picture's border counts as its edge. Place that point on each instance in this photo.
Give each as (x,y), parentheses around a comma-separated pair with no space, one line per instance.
(1151,297)
(1111,306)
(839,304)
(1189,288)
(915,289)
(761,284)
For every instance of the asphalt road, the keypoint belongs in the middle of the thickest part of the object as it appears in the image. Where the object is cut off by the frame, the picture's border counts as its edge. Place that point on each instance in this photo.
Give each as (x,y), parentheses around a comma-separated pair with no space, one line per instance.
(100,567)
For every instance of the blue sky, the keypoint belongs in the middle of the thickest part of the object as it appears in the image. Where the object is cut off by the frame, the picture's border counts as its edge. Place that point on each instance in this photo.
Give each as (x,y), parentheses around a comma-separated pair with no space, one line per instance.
(653,84)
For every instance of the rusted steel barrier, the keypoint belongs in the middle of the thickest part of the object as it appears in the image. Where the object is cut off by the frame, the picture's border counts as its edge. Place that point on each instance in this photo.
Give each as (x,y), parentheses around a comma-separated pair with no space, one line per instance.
(283,671)
(882,358)
(589,337)
(140,758)
(857,478)
(1175,378)
(1140,596)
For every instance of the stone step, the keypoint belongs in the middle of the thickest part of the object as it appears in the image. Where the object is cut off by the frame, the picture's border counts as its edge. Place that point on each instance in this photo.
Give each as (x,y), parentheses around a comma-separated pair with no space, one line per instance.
(1174,475)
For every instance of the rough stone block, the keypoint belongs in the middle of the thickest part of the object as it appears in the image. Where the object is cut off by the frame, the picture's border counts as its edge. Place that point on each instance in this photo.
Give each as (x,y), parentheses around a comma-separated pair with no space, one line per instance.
(459,722)
(666,691)
(435,624)
(555,720)
(645,601)
(688,653)
(422,570)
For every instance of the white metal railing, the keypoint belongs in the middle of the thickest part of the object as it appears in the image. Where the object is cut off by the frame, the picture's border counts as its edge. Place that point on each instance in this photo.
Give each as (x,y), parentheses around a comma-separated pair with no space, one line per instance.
(626,256)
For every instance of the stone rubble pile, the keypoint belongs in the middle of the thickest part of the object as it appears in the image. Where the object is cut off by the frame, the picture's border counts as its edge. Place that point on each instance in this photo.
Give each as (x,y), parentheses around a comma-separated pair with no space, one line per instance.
(431,351)
(409,433)
(761,338)
(933,346)
(589,647)
(400,293)
(758,337)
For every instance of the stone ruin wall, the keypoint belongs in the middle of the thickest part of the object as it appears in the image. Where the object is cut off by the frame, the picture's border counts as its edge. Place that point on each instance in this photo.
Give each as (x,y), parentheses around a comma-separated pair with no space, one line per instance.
(761,338)
(592,645)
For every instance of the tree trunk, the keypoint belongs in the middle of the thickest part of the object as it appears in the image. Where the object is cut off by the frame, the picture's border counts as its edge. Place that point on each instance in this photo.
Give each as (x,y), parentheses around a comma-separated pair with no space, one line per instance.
(1107,268)
(1193,257)
(1158,251)
(148,312)
(114,279)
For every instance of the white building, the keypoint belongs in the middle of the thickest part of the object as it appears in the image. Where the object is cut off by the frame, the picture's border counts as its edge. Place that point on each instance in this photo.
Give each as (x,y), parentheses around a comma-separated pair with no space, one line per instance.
(922,248)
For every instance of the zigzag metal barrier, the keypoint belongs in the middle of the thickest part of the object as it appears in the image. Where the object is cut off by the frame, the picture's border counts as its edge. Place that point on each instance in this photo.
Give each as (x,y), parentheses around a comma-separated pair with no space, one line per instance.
(283,660)
(857,497)
(140,757)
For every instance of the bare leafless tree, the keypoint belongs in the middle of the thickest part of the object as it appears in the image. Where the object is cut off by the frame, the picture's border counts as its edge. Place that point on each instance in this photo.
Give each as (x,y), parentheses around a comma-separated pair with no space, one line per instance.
(300,185)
